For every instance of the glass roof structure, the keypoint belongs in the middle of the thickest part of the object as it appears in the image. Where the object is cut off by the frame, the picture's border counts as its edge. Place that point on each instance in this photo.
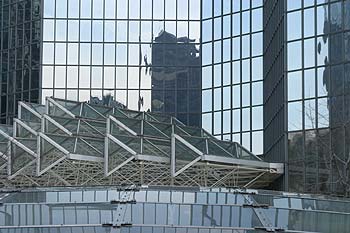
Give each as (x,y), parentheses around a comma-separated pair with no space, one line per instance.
(68,143)
(150,209)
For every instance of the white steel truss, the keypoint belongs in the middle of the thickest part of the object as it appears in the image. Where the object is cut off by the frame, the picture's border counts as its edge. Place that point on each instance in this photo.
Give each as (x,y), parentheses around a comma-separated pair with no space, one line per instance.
(68,143)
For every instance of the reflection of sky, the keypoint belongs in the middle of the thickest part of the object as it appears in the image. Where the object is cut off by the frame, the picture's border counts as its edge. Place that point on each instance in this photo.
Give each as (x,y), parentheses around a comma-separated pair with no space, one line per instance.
(98,24)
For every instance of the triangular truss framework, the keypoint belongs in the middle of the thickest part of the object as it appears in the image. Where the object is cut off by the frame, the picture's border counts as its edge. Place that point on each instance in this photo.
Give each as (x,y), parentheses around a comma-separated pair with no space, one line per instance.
(77,144)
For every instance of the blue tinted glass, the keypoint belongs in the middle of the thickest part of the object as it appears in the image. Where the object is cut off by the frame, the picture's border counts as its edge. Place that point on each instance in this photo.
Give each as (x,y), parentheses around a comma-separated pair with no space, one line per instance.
(236,121)
(49,8)
(134,9)
(110,9)
(257,143)
(236,5)
(294,25)
(257,93)
(207,100)
(84,54)
(60,53)
(309,53)
(309,22)
(85,9)
(207,124)
(226,6)
(226,128)
(170,9)
(207,8)
(293,4)
(207,30)
(246,46)
(226,72)
(73,30)
(226,97)
(236,53)
(207,53)
(61,9)
(257,69)
(245,119)
(295,116)
(236,24)
(217,51)
(257,43)
(217,123)
(257,20)
(207,77)
(48,30)
(294,85)
(85,30)
(236,96)
(226,50)
(217,28)
(217,99)
(122,9)
(257,115)
(294,55)
(97,9)
(245,22)
(246,70)
(97,31)
(245,95)
(217,8)
(182,9)
(73,8)
(195,9)
(217,75)
(226,26)
(309,83)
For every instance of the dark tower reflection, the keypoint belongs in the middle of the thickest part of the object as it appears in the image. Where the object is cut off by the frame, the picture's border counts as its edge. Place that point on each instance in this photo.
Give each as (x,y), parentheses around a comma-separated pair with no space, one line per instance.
(336,81)
(176,78)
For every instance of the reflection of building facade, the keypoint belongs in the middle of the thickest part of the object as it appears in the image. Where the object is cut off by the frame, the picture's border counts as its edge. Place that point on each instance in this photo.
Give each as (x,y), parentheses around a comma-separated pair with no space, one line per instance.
(19,55)
(100,48)
(306,96)
(169,209)
(176,78)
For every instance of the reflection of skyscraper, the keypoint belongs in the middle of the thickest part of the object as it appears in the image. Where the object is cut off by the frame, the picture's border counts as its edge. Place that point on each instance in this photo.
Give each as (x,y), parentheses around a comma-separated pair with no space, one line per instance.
(336,80)
(176,78)
(20,34)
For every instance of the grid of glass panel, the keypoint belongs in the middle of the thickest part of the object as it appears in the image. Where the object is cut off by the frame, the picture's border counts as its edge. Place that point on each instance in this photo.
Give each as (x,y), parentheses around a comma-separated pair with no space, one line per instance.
(170,210)
(318,80)
(143,53)
(19,54)
(232,71)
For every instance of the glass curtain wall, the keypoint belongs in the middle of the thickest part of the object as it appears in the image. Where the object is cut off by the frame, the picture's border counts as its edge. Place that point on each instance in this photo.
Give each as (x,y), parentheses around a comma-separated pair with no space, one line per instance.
(318,81)
(144,53)
(19,55)
(232,65)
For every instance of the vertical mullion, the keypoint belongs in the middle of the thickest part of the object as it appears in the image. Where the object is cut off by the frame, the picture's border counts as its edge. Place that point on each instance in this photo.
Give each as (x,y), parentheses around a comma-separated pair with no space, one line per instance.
(221,69)
(115,49)
(250,78)
(54,50)
(127,53)
(79,45)
(241,78)
(66,83)
(103,49)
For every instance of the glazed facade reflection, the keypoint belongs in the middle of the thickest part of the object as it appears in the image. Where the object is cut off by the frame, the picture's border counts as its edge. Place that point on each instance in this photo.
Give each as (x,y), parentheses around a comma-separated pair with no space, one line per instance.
(19,55)
(232,73)
(318,74)
(98,48)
